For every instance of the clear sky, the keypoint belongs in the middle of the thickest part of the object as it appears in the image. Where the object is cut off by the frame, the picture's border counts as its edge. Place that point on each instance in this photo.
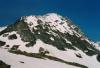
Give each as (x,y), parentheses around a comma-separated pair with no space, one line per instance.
(85,13)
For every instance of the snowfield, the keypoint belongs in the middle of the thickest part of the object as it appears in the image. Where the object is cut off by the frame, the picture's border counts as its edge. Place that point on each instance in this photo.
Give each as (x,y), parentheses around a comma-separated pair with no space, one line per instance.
(29,62)
(69,55)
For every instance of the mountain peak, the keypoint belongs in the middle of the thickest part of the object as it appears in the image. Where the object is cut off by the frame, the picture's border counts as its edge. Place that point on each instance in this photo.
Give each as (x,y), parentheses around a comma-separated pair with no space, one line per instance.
(55,21)
(49,36)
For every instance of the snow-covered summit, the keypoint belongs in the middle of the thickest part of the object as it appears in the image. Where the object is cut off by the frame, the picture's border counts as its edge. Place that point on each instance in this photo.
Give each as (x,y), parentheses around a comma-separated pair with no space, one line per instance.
(54,20)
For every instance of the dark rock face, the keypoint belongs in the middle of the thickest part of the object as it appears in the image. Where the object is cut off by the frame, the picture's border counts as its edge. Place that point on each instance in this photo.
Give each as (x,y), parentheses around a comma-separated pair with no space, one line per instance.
(30,44)
(15,47)
(98,58)
(42,51)
(2,43)
(7,45)
(78,55)
(82,44)
(59,41)
(27,36)
(23,30)
(5,35)
(12,37)
(4,65)
(21,61)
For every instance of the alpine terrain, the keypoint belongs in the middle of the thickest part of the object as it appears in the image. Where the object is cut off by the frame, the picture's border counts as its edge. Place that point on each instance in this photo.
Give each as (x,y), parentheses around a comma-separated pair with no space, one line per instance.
(47,41)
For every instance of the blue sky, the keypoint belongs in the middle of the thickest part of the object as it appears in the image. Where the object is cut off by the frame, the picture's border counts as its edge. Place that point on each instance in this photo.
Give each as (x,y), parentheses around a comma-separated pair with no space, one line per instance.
(84,13)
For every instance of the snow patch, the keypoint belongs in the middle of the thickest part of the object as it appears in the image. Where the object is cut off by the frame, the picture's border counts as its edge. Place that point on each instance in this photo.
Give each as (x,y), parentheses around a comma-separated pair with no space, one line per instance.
(2,28)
